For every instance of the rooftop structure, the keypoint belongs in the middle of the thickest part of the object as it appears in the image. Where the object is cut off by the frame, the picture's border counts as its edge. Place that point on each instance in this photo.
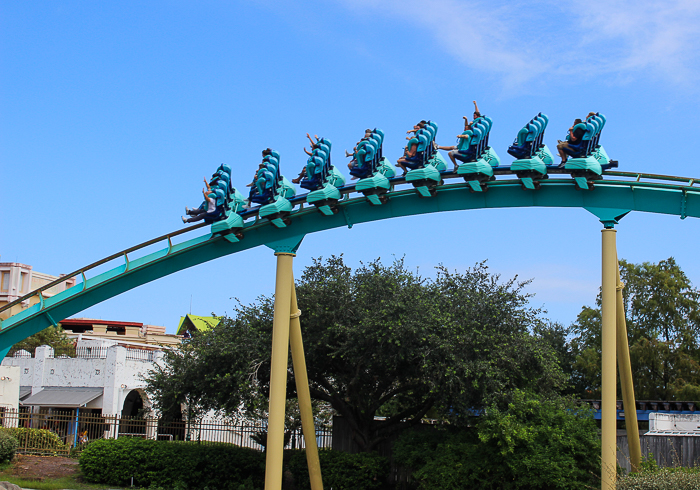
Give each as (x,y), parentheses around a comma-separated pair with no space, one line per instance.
(17,279)
(190,324)
(121,333)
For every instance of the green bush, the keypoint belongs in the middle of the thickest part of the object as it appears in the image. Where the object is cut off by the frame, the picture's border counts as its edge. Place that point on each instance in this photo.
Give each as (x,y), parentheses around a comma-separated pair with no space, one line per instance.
(36,440)
(661,479)
(172,464)
(8,446)
(341,471)
(534,444)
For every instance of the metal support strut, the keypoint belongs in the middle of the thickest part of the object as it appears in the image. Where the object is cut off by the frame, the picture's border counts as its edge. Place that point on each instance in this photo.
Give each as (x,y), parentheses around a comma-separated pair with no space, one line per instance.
(608,469)
(283,322)
(304,397)
(625,369)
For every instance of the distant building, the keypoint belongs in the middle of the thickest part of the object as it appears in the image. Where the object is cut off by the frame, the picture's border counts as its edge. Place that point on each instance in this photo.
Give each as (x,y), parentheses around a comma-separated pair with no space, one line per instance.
(191,324)
(123,333)
(17,279)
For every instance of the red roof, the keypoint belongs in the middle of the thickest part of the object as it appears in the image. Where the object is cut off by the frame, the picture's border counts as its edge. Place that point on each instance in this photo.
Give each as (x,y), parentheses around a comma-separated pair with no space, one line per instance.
(89,321)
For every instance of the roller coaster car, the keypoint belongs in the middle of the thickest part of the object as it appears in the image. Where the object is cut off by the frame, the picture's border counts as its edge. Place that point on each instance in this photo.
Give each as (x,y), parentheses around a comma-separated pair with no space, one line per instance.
(373,170)
(277,211)
(480,160)
(377,185)
(230,226)
(589,158)
(427,164)
(274,199)
(278,206)
(326,197)
(533,156)
(322,179)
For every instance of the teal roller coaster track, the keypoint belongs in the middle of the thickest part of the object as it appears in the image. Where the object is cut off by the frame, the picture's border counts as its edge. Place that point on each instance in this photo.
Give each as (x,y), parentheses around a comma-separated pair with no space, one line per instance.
(610,199)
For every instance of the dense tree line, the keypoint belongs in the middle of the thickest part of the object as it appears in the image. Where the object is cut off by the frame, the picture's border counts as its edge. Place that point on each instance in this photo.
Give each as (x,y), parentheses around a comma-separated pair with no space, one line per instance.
(380,341)
(383,341)
(662,312)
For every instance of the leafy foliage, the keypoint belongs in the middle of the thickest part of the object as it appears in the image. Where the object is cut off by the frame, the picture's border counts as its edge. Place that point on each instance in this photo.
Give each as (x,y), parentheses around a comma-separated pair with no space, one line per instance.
(8,446)
(661,479)
(38,440)
(171,464)
(344,471)
(533,444)
(52,336)
(379,340)
(663,322)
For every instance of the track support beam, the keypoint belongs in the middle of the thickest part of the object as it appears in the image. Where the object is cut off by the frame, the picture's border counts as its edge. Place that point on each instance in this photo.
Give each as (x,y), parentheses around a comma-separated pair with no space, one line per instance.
(303,395)
(608,371)
(625,369)
(286,328)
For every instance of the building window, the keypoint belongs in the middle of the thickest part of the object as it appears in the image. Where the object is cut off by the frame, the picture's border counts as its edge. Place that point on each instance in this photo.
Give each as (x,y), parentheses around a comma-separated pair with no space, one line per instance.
(22,277)
(5,284)
(118,329)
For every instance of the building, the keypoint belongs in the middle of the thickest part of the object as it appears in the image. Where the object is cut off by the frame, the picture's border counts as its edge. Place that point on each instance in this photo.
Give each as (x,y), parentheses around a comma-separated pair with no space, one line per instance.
(17,279)
(123,333)
(191,324)
(104,378)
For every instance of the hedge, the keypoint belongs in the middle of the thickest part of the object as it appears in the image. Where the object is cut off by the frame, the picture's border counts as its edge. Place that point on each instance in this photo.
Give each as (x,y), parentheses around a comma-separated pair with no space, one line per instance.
(164,464)
(36,440)
(8,446)
(172,464)
(661,479)
(341,471)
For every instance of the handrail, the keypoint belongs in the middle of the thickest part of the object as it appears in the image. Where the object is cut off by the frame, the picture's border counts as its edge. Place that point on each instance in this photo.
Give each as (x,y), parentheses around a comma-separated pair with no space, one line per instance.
(345,190)
(82,270)
(639,176)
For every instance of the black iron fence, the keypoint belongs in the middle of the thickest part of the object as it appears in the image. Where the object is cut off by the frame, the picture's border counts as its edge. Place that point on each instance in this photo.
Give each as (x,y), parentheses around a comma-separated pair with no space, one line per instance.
(61,433)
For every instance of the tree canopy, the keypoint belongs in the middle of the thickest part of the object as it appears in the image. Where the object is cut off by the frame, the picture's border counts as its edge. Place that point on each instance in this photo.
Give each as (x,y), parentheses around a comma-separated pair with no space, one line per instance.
(379,341)
(662,310)
(52,336)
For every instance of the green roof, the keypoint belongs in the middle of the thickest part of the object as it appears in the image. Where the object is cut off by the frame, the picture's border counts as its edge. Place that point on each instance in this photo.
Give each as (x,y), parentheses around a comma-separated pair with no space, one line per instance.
(196,323)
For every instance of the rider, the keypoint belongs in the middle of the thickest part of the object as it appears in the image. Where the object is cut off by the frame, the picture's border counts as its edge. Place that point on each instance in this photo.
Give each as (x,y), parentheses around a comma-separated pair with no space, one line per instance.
(462,147)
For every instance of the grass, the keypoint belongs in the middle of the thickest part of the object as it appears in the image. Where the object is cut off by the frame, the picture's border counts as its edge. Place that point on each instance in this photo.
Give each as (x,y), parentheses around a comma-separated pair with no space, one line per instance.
(53,484)
(68,482)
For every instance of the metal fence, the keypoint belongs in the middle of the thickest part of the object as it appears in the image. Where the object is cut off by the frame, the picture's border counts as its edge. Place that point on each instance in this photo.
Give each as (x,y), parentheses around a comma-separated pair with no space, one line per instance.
(93,352)
(140,354)
(52,432)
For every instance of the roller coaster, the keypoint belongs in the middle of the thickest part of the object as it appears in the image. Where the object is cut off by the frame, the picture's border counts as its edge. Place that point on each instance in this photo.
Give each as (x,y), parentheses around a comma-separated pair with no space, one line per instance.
(275,216)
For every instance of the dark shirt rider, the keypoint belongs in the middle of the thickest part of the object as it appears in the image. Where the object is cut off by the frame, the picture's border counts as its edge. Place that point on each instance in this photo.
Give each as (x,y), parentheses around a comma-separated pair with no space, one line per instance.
(575,137)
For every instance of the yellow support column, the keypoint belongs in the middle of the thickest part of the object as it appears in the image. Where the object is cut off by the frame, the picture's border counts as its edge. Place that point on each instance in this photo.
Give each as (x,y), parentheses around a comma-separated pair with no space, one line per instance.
(278,372)
(625,367)
(608,371)
(303,395)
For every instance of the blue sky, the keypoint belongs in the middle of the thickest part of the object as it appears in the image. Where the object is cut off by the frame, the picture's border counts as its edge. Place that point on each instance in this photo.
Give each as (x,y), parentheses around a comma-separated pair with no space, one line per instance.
(112,112)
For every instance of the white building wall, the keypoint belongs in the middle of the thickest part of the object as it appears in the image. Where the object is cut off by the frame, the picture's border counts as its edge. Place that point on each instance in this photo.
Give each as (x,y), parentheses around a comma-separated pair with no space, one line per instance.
(9,387)
(116,374)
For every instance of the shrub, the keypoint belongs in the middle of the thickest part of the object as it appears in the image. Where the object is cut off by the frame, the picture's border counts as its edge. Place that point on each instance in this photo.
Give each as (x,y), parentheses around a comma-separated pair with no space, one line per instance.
(534,444)
(661,479)
(8,446)
(341,471)
(172,464)
(36,440)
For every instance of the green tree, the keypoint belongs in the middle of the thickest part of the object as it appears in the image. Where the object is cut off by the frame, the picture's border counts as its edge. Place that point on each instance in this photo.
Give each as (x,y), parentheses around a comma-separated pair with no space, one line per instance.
(52,336)
(379,340)
(662,310)
(533,443)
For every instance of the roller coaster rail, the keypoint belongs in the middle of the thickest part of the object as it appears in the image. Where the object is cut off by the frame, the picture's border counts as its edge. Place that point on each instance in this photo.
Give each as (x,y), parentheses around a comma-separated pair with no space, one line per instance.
(608,199)
(679,187)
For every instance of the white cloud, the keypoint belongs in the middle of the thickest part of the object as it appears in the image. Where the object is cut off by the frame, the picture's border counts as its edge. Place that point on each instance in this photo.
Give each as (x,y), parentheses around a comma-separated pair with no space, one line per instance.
(644,36)
(519,42)
(477,35)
